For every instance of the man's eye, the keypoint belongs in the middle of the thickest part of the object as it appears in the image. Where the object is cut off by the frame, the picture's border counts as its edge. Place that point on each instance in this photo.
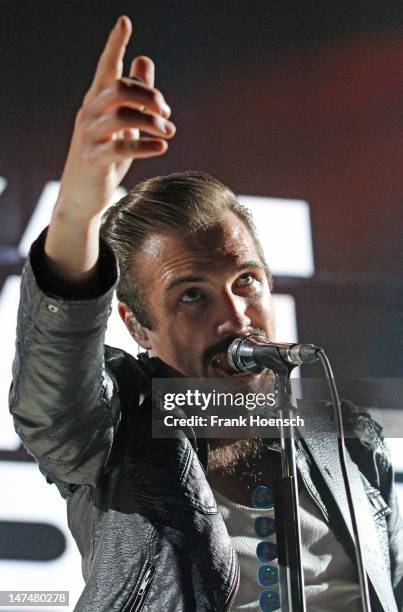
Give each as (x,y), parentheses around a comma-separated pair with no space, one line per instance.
(246,279)
(191,295)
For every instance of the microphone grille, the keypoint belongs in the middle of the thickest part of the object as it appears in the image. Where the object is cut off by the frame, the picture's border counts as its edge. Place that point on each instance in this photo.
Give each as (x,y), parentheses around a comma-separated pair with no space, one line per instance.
(233,355)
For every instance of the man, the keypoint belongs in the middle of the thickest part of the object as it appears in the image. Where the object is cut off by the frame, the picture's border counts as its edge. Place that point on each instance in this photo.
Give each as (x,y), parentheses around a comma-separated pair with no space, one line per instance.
(151,532)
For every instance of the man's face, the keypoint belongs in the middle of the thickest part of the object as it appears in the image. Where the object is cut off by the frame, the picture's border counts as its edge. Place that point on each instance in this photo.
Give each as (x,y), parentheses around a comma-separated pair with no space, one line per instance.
(202,293)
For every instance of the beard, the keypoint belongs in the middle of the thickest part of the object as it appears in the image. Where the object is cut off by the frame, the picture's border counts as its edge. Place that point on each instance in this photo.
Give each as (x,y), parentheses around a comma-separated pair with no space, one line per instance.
(230,456)
(227,455)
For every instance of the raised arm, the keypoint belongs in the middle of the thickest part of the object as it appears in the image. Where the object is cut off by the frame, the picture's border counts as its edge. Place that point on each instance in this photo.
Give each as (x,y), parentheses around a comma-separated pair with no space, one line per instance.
(64,404)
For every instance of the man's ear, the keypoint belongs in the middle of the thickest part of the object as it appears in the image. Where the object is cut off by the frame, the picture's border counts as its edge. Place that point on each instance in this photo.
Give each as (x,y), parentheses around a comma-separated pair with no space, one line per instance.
(136,330)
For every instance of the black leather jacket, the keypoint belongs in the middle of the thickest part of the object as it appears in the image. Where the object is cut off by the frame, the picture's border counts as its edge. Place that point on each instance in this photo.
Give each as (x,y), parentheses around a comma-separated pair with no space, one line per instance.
(140,508)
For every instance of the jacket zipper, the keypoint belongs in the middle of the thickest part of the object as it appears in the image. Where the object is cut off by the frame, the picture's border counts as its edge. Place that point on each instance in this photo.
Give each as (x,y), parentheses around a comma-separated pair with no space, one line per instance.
(205,469)
(143,589)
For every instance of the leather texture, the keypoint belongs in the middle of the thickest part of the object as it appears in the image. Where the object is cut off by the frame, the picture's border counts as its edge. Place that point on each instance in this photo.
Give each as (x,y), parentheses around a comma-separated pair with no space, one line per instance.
(140,506)
(324,451)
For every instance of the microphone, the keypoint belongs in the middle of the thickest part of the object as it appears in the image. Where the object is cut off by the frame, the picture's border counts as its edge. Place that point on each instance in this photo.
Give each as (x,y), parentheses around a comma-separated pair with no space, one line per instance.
(254,354)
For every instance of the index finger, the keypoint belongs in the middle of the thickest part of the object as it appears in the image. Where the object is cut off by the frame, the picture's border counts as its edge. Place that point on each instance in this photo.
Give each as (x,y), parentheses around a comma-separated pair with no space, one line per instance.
(110,64)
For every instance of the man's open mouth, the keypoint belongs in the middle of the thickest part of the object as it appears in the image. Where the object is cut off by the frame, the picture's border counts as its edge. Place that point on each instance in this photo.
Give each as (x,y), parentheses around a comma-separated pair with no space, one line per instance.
(220,367)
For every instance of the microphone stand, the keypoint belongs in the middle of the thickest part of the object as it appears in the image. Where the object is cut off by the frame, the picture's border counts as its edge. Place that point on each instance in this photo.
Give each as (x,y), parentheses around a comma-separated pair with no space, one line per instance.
(245,356)
(291,573)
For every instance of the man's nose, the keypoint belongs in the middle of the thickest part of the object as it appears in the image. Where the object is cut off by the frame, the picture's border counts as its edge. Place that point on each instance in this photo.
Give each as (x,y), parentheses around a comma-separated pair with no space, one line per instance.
(232,317)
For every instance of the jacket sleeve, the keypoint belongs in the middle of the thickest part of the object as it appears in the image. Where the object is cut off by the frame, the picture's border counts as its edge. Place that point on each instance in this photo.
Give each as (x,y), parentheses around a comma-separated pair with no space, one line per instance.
(63,402)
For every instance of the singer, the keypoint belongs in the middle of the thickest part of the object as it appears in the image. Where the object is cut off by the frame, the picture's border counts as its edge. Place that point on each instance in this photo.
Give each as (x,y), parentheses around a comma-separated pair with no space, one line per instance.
(169,524)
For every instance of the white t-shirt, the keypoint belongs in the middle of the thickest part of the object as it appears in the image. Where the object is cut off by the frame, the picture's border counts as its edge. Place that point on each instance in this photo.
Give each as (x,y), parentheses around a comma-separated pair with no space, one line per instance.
(328,571)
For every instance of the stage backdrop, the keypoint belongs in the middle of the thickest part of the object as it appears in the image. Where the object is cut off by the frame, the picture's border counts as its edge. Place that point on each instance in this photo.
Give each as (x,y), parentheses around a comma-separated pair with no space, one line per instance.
(296,107)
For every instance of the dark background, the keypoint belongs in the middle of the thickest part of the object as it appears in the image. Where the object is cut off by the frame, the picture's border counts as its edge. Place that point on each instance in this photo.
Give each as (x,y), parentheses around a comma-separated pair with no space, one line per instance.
(282,99)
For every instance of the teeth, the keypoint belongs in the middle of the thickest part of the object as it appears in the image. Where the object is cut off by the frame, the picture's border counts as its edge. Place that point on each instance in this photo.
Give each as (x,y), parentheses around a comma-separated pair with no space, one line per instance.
(217,360)
(221,362)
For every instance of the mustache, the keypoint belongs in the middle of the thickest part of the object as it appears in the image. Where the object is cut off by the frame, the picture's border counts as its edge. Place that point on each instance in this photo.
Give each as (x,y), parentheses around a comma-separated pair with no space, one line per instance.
(222,345)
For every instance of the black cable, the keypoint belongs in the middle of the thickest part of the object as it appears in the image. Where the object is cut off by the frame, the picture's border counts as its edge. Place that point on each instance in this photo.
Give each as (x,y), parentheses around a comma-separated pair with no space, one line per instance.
(366,605)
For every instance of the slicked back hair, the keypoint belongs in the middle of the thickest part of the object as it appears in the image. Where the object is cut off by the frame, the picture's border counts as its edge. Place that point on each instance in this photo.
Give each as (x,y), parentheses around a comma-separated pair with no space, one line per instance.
(182,203)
